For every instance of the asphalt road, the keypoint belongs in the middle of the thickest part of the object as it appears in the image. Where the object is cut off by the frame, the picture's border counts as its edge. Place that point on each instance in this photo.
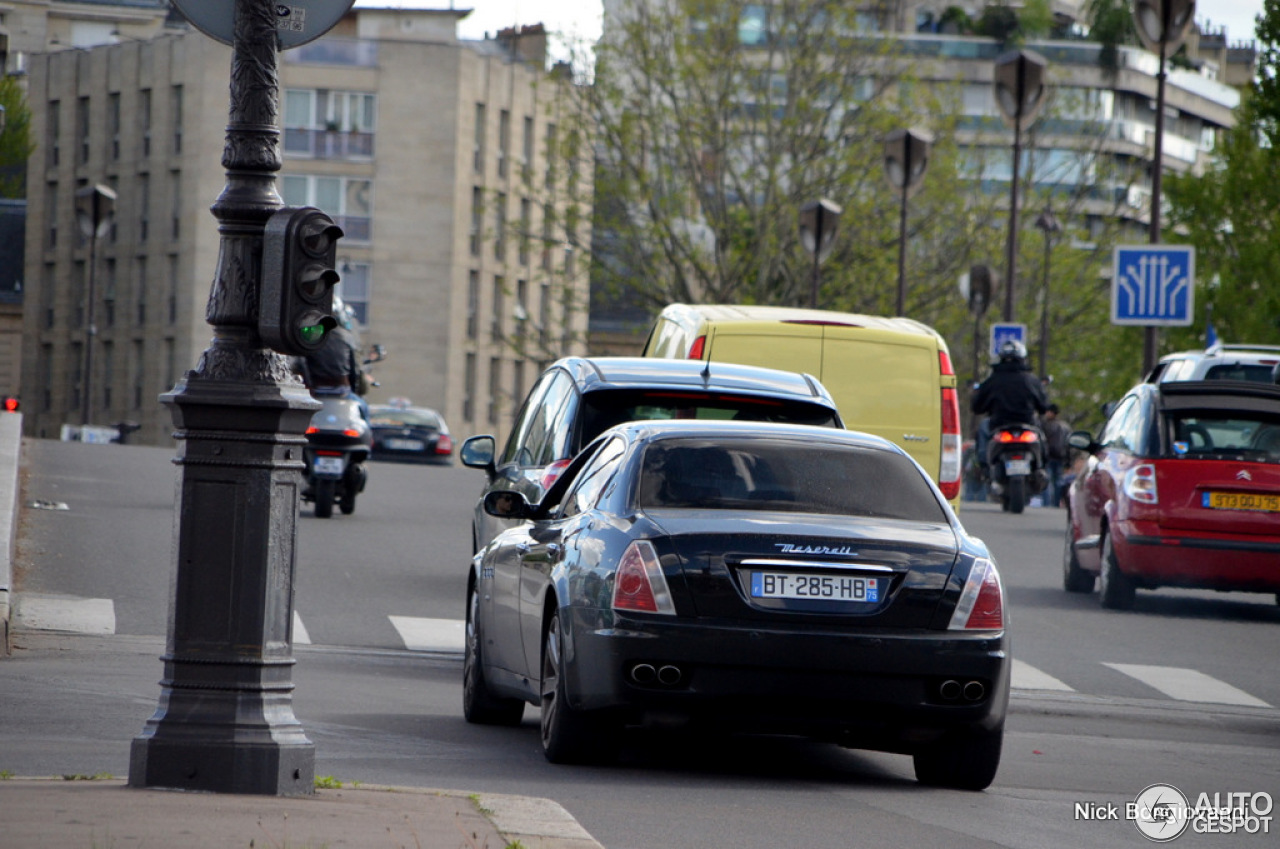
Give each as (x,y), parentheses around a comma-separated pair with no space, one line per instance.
(1094,717)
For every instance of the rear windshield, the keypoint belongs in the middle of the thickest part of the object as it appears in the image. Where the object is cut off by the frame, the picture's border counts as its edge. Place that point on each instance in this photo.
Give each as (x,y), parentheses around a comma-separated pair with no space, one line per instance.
(1240,371)
(1239,435)
(394,417)
(604,409)
(792,476)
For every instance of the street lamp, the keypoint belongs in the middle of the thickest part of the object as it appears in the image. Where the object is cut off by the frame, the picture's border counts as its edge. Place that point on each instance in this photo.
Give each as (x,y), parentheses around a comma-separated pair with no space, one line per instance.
(1019,90)
(95,207)
(1047,222)
(818,221)
(906,156)
(1161,25)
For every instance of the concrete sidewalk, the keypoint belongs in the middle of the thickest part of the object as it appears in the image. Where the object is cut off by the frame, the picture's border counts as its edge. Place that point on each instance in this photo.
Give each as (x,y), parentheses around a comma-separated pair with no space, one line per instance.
(58,813)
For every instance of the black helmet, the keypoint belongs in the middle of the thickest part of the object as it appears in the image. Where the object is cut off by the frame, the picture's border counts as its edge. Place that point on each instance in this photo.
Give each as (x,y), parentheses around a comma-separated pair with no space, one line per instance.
(1011,350)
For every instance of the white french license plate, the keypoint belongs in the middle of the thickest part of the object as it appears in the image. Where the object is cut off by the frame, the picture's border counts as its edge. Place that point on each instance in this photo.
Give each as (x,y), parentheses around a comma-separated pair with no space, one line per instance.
(327,466)
(815,587)
(1017,467)
(405,444)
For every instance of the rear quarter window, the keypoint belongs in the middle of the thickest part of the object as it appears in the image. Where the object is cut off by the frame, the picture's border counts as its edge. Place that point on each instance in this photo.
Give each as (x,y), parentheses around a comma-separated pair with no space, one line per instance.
(785,475)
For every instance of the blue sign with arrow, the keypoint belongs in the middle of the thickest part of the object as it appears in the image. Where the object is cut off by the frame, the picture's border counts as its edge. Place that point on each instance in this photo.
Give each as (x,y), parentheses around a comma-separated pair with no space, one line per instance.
(1153,285)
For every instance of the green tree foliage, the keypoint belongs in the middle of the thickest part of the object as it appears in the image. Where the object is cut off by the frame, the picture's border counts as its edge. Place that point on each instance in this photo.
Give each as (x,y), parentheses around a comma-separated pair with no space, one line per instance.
(1231,214)
(15,144)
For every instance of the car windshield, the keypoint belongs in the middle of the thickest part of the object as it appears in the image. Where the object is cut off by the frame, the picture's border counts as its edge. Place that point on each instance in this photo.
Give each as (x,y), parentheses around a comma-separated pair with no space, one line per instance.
(786,475)
(604,409)
(1240,371)
(401,418)
(1242,435)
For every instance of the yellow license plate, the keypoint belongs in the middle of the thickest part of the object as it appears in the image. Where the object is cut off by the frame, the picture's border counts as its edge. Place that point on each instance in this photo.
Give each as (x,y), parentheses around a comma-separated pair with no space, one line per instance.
(1242,501)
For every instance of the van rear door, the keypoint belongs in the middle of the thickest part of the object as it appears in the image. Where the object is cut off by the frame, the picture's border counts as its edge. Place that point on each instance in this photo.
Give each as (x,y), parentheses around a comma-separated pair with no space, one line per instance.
(772,344)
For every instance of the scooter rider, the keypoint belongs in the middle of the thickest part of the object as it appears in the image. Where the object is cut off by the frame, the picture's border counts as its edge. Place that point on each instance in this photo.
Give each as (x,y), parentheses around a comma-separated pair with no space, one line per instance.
(335,368)
(1011,394)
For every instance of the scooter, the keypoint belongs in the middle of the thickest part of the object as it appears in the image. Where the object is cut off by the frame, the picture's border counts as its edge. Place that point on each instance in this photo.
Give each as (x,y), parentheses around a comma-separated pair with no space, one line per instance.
(1016,460)
(338,443)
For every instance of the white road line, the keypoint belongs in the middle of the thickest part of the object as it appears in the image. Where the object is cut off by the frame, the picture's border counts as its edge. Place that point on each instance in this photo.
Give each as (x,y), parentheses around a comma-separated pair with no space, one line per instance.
(36,612)
(1027,677)
(1188,685)
(300,635)
(421,634)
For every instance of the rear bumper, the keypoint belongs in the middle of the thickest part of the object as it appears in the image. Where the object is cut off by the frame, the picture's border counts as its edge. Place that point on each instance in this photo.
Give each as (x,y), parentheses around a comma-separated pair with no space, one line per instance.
(1156,557)
(883,691)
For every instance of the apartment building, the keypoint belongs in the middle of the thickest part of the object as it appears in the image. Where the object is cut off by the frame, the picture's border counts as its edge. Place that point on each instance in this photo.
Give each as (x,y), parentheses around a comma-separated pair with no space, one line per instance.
(449,164)
(41,26)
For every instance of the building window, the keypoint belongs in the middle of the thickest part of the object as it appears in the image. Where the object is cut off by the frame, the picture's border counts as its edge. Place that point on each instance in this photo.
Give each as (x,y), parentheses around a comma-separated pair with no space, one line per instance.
(354,289)
(77,294)
(504,141)
(175,211)
(517,381)
(550,178)
(108,372)
(46,377)
(55,131)
(170,365)
(526,146)
(495,325)
(173,290)
(82,129)
(500,228)
(469,389)
(478,155)
(526,221)
(326,124)
(548,236)
(177,119)
(142,291)
(521,313)
(51,213)
(144,120)
(477,219)
(348,200)
(544,316)
(495,387)
(139,372)
(75,369)
(109,294)
(113,125)
(473,304)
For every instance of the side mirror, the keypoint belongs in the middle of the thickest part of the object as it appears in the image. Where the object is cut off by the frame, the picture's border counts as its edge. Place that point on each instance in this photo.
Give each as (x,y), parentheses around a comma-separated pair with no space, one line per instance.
(507,504)
(478,451)
(1082,440)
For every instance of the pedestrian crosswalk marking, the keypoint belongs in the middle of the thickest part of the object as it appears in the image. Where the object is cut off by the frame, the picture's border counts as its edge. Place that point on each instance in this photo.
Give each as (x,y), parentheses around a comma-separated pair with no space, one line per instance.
(1027,677)
(1188,685)
(73,614)
(421,634)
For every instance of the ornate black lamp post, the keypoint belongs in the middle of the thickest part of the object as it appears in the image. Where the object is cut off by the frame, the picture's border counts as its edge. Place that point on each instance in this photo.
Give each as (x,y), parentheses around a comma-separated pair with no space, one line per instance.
(1020,94)
(95,207)
(906,156)
(818,221)
(225,719)
(1161,25)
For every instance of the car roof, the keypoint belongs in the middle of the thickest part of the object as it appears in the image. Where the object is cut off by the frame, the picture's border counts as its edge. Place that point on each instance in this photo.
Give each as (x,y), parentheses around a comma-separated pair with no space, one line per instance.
(593,374)
(1218,354)
(688,314)
(1220,394)
(654,429)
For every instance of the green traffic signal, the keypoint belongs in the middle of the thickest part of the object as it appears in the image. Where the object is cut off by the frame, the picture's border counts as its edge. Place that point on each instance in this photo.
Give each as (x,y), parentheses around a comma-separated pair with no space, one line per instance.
(299,251)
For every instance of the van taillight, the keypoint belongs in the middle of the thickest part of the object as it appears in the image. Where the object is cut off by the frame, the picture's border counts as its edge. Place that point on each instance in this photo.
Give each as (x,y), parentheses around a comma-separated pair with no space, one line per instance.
(949,464)
(944,364)
(695,350)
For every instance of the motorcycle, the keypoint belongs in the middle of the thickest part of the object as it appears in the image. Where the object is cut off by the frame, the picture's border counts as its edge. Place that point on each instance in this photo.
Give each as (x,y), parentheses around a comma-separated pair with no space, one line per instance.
(339,440)
(1016,460)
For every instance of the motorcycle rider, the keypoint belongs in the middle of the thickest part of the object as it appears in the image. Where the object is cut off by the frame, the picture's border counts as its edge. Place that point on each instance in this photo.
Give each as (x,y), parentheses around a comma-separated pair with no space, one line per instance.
(1011,394)
(335,368)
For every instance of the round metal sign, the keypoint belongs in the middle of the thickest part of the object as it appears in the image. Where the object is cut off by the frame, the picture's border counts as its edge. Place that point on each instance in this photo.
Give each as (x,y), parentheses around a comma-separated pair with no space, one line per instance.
(297,21)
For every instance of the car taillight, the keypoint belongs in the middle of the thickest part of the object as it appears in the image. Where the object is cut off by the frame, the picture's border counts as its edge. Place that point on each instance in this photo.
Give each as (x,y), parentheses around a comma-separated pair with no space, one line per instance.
(444,444)
(981,605)
(1140,484)
(1024,436)
(695,350)
(550,473)
(639,583)
(949,464)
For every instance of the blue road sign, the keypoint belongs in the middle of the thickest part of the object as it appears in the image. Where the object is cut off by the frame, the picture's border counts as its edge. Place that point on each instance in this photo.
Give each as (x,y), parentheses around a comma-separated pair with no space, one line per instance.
(1002,332)
(1153,285)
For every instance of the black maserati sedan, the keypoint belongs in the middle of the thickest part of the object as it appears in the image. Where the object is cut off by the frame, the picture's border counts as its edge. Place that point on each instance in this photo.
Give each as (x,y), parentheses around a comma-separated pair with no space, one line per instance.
(748,577)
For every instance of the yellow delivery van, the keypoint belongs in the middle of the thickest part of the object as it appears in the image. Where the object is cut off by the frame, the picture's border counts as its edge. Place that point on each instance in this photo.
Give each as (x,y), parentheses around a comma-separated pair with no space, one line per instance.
(889,376)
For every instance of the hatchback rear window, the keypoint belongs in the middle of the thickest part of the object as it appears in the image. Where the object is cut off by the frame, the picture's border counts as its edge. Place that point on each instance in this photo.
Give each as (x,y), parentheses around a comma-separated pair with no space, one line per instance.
(1237,435)
(604,409)
(1240,371)
(785,475)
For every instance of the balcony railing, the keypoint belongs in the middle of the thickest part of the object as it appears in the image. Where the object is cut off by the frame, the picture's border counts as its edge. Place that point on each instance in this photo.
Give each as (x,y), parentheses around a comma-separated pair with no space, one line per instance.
(328,144)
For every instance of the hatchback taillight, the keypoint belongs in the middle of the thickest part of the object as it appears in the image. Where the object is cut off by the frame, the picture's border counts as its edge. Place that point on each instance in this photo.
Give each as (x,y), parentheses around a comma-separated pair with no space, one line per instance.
(1140,484)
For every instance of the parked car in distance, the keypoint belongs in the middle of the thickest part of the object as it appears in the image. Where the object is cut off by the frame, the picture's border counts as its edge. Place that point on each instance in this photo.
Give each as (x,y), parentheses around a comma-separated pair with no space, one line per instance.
(892,377)
(1182,490)
(416,434)
(1220,362)
(578,398)
(746,577)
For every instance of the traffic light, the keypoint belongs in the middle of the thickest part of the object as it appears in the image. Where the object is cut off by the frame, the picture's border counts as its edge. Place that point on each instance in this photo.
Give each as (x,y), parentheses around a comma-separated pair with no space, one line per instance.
(299,250)
(10,404)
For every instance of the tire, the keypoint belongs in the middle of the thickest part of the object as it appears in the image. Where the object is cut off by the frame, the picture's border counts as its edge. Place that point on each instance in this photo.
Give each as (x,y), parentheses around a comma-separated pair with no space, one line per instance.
(1016,491)
(1115,589)
(324,498)
(569,735)
(1074,579)
(479,704)
(961,763)
(347,504)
